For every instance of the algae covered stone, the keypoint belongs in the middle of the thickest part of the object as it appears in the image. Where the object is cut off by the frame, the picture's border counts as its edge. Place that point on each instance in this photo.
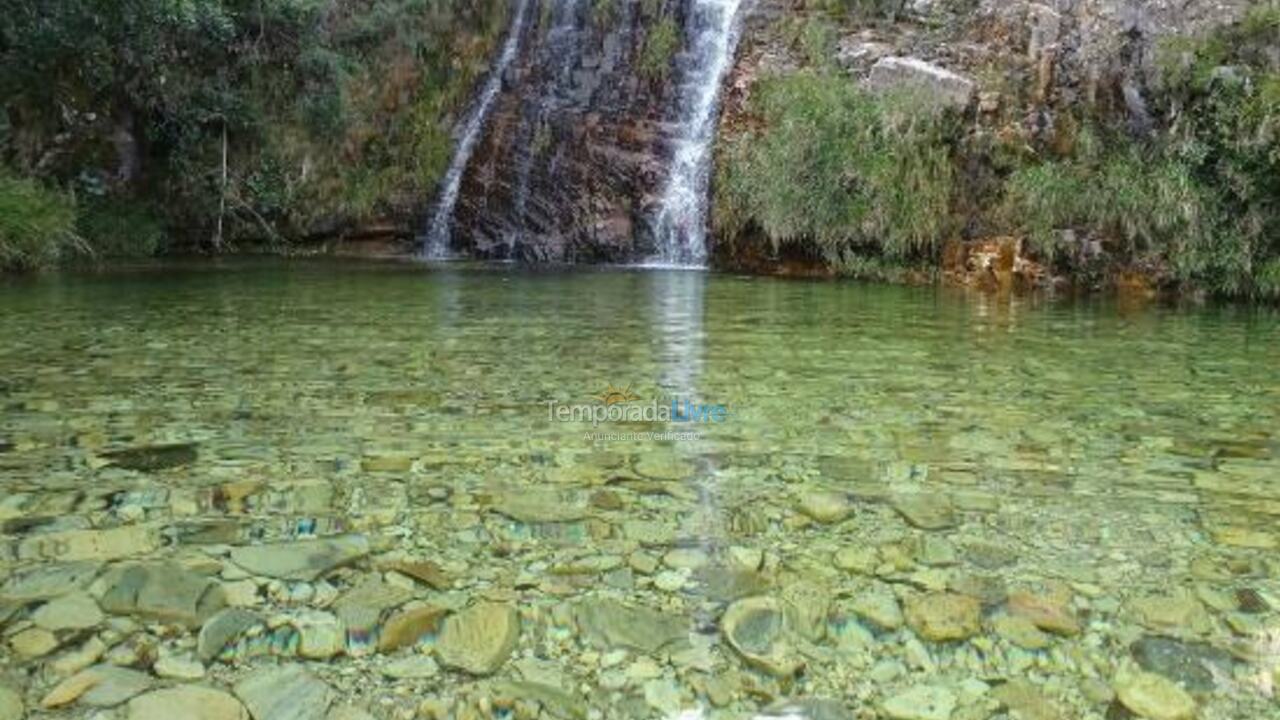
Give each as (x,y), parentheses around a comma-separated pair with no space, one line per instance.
(944,616)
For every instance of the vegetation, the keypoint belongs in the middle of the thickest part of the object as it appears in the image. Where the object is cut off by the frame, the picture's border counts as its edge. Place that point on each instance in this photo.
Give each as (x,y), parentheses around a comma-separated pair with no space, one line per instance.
(659,49)
(237,119)
(852,173)
(1202,198)
(37,225)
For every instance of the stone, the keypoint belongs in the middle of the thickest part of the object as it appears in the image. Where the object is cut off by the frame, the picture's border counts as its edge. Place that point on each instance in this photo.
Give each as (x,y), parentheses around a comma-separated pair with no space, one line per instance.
(861,560)
(222,629)
(807,708)
(1026,700)
(825,506)
(178,667)
(187,702)
(1190,664)
(306,560)
(407,627)
(48,582)
(880,608)
(922,702)
(11,706)
(756,628)
(76,611)
(351,712)
(479,640)
(165,592)
(361,608)
(33,642)
(153,458)
(1173,614)
(1153,697)
(321,635)
(554,700)
(99,686)
(932,84)
(943,616)
(609,624)
(74,661)
(531,506)
(1020,631)
(98,545)
(663,695)
(288,692)
(927,512)
(423,571)
(1045,612)
(414,667)
(937,551)
(664,466)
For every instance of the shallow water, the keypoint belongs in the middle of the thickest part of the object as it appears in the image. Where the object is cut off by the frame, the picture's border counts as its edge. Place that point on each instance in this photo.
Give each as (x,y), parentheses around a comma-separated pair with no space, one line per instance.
(1118,466)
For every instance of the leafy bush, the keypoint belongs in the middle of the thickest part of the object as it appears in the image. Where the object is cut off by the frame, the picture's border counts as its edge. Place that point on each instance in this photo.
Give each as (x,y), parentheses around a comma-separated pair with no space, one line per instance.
(37,226)
(118,228)
(1126,193)
(838,168)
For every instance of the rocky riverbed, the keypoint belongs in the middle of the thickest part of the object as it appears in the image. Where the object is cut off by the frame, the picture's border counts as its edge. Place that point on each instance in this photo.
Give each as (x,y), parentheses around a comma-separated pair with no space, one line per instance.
(597,594)
(932,509)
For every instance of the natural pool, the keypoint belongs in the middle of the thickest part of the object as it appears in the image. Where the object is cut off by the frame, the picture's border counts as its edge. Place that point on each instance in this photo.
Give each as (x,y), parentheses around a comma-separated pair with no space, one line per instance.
(312,489)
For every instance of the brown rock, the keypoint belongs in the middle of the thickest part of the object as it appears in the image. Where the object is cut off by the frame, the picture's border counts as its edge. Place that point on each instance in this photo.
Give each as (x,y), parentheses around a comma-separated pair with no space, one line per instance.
(405,628)
(943,617)
(1045,612)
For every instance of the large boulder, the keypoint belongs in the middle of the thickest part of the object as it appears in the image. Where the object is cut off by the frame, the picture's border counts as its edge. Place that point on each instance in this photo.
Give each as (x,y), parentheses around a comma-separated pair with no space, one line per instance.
(930,83)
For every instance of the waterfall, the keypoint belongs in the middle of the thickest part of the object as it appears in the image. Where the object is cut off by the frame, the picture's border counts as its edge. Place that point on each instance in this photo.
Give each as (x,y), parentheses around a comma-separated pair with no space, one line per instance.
(681,223)
(438,231)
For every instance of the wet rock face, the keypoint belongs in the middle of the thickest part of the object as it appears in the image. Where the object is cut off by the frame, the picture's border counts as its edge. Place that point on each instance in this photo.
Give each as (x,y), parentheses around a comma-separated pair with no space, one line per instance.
(576,145)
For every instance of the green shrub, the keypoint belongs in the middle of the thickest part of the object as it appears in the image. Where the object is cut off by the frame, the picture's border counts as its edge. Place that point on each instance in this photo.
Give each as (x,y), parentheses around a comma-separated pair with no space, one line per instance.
(119,228)
(1128,194)
(840,169)
(37,226)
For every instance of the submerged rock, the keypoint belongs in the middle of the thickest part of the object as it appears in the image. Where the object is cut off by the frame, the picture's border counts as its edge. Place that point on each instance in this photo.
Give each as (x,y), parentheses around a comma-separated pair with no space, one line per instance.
(222,629)
(307,560)
(756,628)
(608,624)
(76,611)
(99,686)
(166,592)
(923,702)
(285,693)
(11,706)
(927,512)
(825,506)
(47,582)
(188,702)
(479,639)
(944,617)
(1154,697)
(1192,664)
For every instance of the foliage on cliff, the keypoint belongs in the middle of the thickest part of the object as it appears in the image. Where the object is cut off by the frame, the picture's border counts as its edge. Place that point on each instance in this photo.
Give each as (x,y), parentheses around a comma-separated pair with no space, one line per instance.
(239,118)
(832,165)
(869,184)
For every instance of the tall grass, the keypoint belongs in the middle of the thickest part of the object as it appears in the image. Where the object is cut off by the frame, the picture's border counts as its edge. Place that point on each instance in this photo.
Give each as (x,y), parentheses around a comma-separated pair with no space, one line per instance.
(37,225)
(836,167)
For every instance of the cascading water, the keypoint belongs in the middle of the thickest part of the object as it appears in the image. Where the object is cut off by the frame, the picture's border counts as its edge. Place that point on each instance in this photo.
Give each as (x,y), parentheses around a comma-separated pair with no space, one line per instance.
(681,223)
(438,231)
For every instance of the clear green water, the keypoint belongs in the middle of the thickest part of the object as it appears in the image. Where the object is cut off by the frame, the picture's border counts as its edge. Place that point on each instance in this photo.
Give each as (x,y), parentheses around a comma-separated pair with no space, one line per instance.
(1109,453)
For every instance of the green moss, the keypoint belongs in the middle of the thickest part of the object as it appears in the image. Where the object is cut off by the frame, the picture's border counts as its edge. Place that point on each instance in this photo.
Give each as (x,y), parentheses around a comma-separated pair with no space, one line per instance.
(37,225)
(838,169)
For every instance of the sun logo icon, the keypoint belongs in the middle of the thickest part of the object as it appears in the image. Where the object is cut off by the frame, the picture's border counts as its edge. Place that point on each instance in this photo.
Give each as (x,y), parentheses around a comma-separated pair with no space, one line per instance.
(616,396)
